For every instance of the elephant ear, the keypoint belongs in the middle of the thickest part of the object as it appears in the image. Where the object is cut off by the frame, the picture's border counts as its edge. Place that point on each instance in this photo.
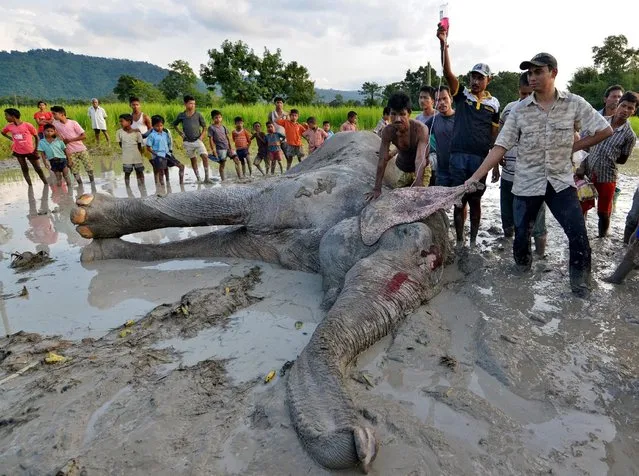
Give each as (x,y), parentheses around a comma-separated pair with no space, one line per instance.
(408,205)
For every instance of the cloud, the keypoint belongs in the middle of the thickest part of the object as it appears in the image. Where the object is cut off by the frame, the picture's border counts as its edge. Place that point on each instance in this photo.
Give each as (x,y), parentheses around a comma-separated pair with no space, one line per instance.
(344,43)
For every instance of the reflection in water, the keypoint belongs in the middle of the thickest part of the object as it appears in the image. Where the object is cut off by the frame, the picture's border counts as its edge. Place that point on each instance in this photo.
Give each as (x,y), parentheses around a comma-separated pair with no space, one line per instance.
(41,230)
(6,233)
(3,313)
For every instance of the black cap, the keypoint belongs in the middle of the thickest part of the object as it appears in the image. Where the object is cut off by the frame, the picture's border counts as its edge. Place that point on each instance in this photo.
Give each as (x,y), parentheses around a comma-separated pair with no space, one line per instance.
(541,59)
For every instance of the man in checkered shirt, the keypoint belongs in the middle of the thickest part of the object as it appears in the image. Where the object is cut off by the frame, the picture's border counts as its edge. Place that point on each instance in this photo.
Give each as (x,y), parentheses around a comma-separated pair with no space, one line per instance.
(601,164)
(543,125)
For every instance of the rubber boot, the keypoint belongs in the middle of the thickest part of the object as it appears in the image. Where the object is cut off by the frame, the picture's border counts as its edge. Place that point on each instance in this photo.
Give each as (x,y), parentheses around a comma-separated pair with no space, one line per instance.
(579,282)
(627,233)
(628,263)
(540,245)
(603,225)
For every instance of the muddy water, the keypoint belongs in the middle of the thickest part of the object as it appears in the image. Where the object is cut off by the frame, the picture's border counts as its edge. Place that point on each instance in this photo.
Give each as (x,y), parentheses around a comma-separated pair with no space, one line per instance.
(537,381)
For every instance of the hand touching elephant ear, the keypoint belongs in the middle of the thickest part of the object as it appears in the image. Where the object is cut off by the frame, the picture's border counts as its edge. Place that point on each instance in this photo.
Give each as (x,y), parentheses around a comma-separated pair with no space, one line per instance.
(408,205)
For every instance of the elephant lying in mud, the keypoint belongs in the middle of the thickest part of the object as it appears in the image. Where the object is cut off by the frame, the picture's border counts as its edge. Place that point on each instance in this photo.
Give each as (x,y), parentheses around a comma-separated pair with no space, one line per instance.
(378,262)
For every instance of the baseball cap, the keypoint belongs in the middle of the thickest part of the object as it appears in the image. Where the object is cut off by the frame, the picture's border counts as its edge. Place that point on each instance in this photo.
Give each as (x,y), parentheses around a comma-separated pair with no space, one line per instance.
(540,59)
(482,68)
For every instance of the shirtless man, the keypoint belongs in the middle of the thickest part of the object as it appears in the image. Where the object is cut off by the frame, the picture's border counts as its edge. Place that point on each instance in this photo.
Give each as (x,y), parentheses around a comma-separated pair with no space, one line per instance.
(411,139)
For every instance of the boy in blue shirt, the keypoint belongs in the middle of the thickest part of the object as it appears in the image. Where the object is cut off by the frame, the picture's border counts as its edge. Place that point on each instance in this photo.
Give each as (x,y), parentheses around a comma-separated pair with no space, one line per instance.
(54,154)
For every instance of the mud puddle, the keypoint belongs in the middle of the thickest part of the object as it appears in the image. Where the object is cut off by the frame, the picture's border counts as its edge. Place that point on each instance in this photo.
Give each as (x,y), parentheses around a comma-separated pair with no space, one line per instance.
(497,375)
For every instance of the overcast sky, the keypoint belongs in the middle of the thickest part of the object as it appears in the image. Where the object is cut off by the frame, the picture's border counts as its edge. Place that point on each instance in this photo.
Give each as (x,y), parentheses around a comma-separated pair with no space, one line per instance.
(342,42)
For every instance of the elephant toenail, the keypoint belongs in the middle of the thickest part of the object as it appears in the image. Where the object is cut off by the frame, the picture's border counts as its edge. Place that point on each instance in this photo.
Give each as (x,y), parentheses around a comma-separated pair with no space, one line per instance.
(84,199)
(85,231)
(78,216)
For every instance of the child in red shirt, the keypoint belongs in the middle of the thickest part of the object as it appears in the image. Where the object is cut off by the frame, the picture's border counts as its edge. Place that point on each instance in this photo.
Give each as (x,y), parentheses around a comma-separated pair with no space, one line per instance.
(293,130)
(242,140)
(22,136)
(42,118)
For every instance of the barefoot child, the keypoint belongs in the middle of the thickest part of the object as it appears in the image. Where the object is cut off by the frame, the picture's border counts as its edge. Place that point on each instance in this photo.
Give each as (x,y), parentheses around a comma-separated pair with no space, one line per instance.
(131,143)
(220,142)
(157,143)
(274,140)
(72,135)
(54,154)
(22,135)
(242,141)
(294,132)
(314,135)
(262,147)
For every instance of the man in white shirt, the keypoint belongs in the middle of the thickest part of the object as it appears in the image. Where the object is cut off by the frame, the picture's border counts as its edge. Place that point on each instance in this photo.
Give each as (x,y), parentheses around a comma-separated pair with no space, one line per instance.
(98,121)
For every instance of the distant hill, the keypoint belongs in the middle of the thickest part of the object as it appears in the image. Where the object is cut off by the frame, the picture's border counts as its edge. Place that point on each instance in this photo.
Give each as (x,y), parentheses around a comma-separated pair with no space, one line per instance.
(327,95)
(57,74)
(62,75)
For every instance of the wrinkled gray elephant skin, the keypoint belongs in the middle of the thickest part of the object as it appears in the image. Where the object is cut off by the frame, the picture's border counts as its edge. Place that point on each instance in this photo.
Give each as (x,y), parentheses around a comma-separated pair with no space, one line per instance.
(377,266)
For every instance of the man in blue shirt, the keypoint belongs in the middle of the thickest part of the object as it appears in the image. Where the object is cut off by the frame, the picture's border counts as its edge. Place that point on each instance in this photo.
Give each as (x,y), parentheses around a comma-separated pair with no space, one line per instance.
(441,128)
(476,127)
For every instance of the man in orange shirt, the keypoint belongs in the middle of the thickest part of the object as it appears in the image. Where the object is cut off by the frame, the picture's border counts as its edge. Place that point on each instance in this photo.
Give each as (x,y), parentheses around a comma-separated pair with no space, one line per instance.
(293,131)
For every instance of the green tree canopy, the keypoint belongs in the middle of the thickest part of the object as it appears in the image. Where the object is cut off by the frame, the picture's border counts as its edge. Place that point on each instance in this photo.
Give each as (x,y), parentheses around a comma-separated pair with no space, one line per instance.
(372,91)
(179,81)
(244,77)
(124,87)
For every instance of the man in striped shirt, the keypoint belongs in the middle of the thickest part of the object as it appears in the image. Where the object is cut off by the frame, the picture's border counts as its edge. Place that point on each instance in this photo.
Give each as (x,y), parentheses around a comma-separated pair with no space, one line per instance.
(601,164)
(508,175)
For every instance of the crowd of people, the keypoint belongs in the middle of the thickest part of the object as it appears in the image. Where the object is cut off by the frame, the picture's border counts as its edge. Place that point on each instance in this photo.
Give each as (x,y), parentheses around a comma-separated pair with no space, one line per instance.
(547,143)
(59,141)
(552,147)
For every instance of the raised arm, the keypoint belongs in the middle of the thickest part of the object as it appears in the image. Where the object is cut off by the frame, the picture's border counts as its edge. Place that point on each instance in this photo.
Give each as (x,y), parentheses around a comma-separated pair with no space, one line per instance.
(421,157)
(384,157)
(451,79)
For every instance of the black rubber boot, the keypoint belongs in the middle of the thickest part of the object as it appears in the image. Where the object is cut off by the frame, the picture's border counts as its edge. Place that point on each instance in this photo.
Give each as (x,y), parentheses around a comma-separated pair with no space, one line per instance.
(627,233)
(579,282)
(604,224)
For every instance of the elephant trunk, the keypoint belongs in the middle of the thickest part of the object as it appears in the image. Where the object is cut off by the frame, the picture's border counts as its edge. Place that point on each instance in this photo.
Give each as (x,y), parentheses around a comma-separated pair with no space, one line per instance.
(378,292)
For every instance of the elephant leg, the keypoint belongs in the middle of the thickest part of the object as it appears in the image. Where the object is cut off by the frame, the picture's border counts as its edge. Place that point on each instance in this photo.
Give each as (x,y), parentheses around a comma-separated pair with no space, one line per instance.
(234,242)
(103,216)
(377,293)
(629,262)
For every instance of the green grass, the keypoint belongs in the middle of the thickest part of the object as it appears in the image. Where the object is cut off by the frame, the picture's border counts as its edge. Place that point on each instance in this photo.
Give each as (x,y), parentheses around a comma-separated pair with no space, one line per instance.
(634,122)
(367,116)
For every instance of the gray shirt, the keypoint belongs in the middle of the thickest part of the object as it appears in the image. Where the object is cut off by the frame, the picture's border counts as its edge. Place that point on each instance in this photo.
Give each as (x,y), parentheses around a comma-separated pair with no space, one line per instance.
(192,125)
(545,140)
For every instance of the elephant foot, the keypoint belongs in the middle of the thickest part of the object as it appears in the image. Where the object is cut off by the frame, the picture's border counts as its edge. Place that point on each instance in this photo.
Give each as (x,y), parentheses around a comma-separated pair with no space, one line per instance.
(98,216)
(112,248)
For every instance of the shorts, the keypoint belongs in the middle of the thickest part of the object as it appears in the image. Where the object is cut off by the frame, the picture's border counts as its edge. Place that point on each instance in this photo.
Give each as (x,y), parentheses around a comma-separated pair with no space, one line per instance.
(462,167)
(171,161)
(274,156)
(58,165)
(221,156)
(128,168)
(406,179)
(605,200)
(83,158)
(97,131)
(30,156)
(194,149)
(259,158)
(294,151)
(242,155)
(159,163)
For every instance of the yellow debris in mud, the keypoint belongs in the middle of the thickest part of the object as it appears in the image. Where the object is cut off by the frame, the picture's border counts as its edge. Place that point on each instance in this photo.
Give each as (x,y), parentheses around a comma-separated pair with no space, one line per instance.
(228,290)
(269,376)
(125,332)
(53,358)
(185,309)
(129,323)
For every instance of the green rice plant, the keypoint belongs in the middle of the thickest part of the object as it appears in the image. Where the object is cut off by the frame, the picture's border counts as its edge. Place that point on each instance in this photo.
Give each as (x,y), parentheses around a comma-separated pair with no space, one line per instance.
(367,116)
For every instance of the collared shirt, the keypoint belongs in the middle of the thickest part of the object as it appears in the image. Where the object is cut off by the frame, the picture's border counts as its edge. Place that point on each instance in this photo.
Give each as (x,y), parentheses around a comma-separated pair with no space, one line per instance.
(98,118)
(474,121)
(545,141)
(348,127)
(293,130)
(315,138)
(52,150)
(159,143)
(508,169)
(601,163)
(69,130)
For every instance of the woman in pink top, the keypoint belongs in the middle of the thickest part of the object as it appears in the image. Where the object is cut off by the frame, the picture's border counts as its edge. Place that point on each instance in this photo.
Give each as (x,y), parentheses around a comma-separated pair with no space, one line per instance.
(22,135)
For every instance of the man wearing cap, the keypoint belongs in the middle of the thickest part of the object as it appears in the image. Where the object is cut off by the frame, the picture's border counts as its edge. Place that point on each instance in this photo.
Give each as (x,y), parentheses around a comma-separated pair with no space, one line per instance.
(543,127)
(476,126)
